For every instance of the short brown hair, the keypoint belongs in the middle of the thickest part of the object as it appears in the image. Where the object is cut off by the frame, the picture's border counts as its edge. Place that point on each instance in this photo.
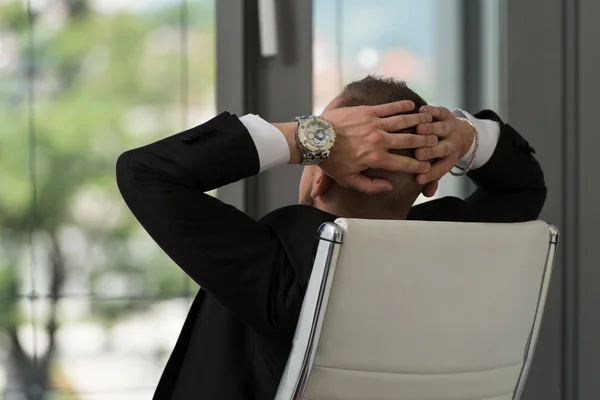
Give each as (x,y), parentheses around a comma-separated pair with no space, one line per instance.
(374,90)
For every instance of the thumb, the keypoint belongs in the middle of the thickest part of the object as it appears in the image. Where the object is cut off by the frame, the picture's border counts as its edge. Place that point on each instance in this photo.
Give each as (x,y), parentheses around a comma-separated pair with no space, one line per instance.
(430,189)
(368,185)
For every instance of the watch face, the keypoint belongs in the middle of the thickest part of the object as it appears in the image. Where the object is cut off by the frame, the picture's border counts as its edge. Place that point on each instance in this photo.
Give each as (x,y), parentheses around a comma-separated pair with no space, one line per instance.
(317,134)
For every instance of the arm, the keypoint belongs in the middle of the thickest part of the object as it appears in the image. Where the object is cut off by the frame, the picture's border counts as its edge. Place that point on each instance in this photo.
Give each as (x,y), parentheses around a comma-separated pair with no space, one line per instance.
(510,186)
(230,255)
(237,260)
(510,182)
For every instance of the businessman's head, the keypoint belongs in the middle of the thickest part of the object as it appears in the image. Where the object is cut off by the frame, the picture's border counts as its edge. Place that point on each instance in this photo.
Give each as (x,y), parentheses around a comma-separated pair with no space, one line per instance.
(319,190)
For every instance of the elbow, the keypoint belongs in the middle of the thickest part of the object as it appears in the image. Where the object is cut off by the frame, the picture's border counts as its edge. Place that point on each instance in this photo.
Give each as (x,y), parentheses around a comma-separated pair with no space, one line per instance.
(540,193)
(137,167)
(535,191)
(122,173)
(536,202)
(129,170)
(146,170)
(124,176)
(541,199)
(121,166)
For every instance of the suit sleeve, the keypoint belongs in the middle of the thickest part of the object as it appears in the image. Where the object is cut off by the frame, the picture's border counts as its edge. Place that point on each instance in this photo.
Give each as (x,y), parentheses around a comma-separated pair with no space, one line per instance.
(510,186)
(234,258)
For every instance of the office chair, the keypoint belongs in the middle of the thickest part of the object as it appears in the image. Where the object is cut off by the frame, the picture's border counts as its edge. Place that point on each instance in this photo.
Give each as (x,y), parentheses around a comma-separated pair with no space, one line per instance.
(413,310)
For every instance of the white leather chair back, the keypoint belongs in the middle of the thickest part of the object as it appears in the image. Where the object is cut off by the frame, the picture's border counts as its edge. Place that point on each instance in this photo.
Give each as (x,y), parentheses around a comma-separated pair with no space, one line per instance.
(421,311)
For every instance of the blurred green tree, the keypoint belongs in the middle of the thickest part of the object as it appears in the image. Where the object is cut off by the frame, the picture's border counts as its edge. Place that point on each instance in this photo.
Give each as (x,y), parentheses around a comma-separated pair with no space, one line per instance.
(92,85)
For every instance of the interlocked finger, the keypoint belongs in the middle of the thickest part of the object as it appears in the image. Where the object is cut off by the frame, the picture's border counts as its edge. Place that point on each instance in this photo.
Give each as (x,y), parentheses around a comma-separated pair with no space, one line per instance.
(400,122)
(398,163)
(439,113)
(440,129)
(399,141)
(385,110)
(443,149)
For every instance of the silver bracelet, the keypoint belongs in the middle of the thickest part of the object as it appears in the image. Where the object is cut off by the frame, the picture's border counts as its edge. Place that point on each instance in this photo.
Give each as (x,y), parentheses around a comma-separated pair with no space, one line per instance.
(472,160)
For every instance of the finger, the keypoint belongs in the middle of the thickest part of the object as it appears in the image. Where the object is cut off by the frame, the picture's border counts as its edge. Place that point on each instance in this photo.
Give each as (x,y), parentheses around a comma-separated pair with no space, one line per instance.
(399,141)
(438,170)
(430,189)
(439,113)
(385,110)
(400,122)
(443,149)
(397,163)
(365,184)
(435,128)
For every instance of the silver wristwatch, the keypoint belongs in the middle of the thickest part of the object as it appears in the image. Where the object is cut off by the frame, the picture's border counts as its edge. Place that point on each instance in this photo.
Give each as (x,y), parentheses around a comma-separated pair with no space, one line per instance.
(315,138)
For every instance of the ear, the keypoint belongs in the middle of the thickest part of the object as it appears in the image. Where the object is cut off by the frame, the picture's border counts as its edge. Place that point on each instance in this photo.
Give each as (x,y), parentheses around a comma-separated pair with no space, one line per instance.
(321,183)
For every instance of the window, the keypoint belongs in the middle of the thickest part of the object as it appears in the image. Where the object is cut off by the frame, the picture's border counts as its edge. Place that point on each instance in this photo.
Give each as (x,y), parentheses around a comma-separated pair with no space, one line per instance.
(82,285)
(416,41)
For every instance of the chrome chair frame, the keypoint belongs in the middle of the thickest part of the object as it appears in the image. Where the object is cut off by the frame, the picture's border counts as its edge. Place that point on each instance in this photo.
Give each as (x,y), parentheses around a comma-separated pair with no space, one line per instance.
(539,312)
(308,331)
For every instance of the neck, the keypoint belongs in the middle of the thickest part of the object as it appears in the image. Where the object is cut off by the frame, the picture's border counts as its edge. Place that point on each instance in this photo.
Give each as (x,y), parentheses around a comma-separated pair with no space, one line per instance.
(346,205)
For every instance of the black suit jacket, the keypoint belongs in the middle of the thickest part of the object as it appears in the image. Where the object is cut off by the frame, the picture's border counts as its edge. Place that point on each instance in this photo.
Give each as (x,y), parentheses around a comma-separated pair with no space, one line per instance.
(237,337)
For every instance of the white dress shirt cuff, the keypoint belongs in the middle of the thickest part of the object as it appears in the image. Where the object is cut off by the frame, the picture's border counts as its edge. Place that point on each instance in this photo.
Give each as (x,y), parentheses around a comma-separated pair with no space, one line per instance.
(270,143)
(489,133)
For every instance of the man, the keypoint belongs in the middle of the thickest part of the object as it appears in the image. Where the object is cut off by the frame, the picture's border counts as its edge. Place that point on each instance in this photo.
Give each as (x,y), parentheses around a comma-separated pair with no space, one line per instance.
(237,337)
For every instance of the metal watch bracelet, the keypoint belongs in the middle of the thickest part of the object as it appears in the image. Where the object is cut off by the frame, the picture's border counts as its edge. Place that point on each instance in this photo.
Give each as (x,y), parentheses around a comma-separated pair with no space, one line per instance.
(472,159)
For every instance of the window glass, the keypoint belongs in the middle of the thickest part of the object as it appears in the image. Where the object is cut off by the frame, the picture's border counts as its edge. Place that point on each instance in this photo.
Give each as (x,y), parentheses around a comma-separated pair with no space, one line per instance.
(82,286)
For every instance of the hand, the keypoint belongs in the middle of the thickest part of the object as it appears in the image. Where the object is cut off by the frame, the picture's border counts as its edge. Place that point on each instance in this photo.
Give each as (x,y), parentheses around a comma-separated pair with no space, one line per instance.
(364,138)
(456,138)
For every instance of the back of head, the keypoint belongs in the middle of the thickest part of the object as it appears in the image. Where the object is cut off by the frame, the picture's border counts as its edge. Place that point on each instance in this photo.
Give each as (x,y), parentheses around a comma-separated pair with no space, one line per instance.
(371,91)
